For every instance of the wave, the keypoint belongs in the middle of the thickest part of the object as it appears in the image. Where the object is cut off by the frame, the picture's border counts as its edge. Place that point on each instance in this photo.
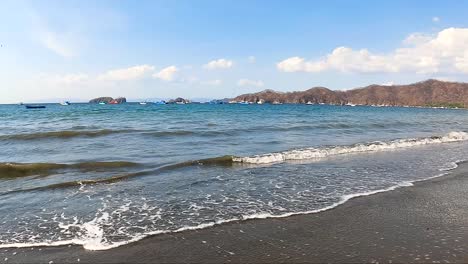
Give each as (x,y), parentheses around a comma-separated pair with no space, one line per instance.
(16,170)
(315,153)
(64,134)
(13,170)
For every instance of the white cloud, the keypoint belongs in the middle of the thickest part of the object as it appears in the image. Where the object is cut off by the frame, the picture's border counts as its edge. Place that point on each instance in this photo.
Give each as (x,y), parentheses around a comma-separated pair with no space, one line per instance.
(252,59)
(213,82)
(167,74)
(219,64)
(131,73)
(247,82)
(435,19)
(58,44)
(444,52)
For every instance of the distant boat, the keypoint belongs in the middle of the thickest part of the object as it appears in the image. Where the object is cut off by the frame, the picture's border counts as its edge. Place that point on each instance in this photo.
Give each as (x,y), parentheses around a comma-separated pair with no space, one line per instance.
(309,103)
(180,102)
(143,103)
(65,103)
(102,103)
(276,103)
(35,106)
(243,103)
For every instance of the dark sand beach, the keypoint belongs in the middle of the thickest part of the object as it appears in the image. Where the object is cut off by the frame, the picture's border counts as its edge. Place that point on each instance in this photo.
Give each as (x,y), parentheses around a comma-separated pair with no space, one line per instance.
(425,223)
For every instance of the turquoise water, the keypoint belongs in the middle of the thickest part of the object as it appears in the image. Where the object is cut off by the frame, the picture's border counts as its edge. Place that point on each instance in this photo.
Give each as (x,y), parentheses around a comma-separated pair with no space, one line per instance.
(105,175)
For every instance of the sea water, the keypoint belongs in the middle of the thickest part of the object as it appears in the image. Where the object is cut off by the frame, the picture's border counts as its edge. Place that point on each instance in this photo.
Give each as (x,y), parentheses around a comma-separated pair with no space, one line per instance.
(106,175)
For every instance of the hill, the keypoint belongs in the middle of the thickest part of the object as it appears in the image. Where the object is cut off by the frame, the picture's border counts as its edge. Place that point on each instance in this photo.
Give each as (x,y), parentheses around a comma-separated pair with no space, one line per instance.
(426,93)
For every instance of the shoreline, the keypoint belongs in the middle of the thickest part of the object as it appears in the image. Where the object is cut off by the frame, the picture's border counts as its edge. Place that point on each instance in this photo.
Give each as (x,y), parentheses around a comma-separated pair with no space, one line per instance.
(402,225)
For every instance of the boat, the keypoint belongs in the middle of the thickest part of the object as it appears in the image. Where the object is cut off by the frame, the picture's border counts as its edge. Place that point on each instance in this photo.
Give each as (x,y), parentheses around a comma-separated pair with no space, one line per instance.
(102,103)
(143,103)
(35,106)
(65,103)
(243,103)
(309,103)
(180,102)
(276,103)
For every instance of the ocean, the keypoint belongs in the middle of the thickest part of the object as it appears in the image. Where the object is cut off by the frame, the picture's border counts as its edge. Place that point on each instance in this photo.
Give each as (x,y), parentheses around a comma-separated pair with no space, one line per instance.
(102,176)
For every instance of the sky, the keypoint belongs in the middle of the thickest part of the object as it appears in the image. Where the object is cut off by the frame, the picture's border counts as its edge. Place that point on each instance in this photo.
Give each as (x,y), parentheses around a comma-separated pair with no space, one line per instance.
(79,49)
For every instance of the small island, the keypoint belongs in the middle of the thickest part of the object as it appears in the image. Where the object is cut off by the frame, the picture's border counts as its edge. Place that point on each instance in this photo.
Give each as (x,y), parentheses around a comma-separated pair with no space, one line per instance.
(108,100)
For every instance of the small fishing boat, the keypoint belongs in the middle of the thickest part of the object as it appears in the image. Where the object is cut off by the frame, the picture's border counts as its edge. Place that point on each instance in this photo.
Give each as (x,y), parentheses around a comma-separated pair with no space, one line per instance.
(35,106)
(65,103)
(143,103)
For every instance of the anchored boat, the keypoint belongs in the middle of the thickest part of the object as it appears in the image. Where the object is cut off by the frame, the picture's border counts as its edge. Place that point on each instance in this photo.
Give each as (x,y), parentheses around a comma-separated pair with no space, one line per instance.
(35,106)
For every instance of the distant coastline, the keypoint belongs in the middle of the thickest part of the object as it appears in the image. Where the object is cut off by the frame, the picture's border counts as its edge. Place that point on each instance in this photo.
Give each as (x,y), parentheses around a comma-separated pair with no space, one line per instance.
(429,93)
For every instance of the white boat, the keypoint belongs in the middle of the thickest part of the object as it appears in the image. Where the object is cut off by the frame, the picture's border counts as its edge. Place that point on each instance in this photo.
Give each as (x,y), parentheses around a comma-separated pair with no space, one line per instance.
(142,103)
(180,102)
(309,103)
(65,103)
(276,103)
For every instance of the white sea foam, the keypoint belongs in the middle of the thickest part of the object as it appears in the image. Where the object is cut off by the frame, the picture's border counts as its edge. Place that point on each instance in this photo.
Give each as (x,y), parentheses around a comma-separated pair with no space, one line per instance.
(316,153)
(94,240)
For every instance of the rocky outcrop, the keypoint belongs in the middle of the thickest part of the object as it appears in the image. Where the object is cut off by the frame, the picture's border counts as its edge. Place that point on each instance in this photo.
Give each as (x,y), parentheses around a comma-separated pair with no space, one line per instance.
(179,100)
(108,100)
(427,93)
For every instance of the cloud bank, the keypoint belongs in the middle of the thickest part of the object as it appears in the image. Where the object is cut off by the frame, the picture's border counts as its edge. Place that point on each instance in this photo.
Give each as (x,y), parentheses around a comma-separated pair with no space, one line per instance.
(444,52)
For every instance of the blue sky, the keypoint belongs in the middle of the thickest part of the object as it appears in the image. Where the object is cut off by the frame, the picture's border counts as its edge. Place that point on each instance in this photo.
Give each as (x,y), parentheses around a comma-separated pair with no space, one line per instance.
(53,50)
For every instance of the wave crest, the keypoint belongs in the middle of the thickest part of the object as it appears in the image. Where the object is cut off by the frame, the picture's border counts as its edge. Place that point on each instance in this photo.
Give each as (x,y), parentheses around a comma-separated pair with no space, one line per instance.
(315,153)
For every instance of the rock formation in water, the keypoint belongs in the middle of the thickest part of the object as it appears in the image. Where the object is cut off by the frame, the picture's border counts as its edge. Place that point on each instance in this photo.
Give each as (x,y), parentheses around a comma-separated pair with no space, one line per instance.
(108,100)
(427,93)
(179,100)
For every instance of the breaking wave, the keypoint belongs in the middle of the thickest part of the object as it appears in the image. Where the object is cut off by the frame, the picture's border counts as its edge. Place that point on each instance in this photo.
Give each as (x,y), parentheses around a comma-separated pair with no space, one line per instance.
(315,153)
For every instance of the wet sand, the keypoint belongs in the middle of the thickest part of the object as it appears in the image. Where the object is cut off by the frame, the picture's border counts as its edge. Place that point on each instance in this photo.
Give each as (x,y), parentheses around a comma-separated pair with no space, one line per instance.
(425,223)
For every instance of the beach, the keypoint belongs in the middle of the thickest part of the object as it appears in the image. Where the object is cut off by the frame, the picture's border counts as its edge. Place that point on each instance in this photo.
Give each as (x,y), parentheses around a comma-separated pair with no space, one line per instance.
(424,223)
